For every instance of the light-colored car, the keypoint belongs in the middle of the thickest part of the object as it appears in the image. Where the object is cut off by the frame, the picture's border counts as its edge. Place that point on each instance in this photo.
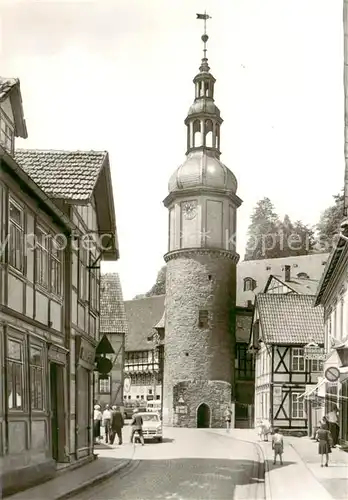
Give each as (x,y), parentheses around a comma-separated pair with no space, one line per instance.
(152,426)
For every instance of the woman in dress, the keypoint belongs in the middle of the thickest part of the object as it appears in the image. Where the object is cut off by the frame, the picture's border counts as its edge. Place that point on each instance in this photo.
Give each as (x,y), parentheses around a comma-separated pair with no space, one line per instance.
(325,440)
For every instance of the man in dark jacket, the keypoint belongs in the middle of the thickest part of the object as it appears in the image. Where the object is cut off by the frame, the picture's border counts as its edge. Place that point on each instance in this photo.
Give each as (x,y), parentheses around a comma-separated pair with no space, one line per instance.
(117,424)
(137,426)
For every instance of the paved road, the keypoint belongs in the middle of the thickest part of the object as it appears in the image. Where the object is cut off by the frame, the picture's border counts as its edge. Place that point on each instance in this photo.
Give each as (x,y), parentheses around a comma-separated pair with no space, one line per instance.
(190,464)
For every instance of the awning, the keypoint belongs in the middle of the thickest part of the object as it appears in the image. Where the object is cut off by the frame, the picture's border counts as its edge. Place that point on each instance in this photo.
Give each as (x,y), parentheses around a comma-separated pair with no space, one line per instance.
(312,389)
(343,373)
(341,344)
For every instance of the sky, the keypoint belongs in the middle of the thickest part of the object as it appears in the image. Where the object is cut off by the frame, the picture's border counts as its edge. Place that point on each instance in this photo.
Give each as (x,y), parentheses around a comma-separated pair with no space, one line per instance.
(117,75)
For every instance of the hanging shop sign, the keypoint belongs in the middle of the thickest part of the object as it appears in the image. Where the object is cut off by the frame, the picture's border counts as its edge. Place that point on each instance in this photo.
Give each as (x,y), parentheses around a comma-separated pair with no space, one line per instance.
(314,351)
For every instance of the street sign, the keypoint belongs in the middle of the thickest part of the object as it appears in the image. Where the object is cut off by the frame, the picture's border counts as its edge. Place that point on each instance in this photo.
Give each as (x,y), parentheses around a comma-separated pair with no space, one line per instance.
(181,409)
(332,374)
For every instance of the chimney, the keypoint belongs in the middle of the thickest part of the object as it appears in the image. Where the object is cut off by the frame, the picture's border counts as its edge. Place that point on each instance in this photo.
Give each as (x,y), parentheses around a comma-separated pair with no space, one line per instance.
(287,272)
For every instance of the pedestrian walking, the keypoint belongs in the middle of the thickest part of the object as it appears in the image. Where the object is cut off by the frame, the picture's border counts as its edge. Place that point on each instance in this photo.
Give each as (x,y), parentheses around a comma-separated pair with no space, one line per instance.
(107,415)
(137,426)
(278,446)
(117,424)
(264,429)
(97,419)
(333,418)
(228,418)
(325,442)
(260,429)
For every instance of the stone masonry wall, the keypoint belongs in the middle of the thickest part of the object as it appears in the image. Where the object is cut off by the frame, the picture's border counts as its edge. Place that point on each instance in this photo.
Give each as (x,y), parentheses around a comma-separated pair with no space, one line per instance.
(197,281)
(217,395)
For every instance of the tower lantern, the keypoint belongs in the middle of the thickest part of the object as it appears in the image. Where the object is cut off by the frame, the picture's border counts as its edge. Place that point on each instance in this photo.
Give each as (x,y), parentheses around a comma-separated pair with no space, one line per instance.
(201,268)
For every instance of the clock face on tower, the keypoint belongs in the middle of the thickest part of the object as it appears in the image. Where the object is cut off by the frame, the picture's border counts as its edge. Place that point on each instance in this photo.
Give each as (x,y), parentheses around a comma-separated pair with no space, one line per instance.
(189,209)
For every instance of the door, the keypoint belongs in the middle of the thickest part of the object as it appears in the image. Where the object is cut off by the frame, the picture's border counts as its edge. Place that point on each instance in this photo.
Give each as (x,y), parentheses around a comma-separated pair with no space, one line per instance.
(203,416)
(57,412)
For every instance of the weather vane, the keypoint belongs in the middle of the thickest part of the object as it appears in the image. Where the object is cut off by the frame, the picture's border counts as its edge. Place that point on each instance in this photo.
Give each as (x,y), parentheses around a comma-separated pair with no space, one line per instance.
(205,37)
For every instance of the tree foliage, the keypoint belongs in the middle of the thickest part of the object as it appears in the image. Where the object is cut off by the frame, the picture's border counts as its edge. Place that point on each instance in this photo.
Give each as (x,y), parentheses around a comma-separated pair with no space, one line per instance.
(159,287)
(269,237)
(329,223)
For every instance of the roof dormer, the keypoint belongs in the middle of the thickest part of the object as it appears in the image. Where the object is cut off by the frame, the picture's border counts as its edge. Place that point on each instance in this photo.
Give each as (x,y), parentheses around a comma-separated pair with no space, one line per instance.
(12,122)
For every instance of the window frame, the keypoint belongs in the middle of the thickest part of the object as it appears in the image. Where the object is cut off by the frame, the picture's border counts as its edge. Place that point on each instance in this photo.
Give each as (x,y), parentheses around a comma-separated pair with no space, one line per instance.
(203,318)
(12,361)
(42,257)
(56,258)
(319,363)
(245,362)
(36,372)
(93,279)
(299,404)
(82,281)
(298,357)
(20,228)
(53,256)
(249,284)
(101,382)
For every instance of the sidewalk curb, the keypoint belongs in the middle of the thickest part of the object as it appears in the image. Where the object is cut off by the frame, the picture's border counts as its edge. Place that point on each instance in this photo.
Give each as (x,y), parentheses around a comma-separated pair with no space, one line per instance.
(95,480)
(263,468)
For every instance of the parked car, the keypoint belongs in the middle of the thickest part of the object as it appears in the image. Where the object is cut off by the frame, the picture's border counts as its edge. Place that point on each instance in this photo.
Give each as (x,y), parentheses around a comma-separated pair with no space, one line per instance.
(152,426)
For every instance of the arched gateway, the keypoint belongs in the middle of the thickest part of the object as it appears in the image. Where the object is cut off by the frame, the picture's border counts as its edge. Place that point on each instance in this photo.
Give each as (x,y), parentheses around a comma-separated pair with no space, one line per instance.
(203,416)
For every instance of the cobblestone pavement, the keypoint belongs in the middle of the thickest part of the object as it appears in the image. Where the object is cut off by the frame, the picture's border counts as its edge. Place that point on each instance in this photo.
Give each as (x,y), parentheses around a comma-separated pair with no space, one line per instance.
(190,464)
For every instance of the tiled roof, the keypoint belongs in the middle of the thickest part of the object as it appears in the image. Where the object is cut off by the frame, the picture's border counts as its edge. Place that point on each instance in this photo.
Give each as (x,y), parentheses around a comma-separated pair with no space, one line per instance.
(290,319)
(7,84)
(142,316)
(68,175)
(260,270)
(161,322)
(112,311)
(303,286)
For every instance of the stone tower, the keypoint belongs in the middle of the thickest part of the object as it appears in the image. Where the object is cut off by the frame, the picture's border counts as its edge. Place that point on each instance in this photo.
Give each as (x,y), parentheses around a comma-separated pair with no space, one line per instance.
(201,270)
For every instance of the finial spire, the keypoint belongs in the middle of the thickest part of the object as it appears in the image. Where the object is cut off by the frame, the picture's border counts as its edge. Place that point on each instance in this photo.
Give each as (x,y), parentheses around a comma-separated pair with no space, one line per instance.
(205,37)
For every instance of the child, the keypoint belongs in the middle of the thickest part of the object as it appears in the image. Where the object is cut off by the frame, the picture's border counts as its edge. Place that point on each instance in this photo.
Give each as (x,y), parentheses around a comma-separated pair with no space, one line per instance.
(277,446)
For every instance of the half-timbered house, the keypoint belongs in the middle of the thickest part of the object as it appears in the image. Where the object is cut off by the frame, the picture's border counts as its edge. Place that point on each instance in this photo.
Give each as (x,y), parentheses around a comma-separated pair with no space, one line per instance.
(79,182)
(113,324)
(283,324)
(143,358)
(56,223)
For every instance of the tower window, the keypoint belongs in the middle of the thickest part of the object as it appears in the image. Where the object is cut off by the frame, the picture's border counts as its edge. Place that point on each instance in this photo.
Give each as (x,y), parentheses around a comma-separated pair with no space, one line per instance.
(217,136)
(249,284)
(201,89)
(203,319)
(197,134)
(208,133)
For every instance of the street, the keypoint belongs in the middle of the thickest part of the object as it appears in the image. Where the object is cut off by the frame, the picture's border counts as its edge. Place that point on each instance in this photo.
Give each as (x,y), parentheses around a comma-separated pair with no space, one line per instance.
(189,464)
